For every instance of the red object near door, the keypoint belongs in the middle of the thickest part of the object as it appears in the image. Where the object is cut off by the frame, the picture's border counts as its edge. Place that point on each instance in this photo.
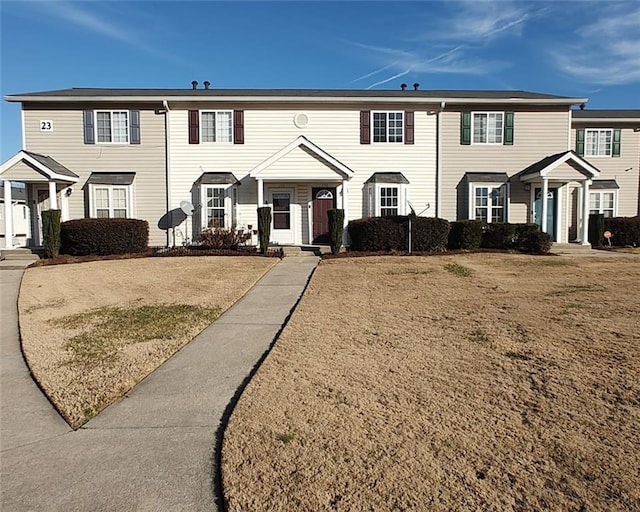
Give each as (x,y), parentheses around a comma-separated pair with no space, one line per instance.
(323,200)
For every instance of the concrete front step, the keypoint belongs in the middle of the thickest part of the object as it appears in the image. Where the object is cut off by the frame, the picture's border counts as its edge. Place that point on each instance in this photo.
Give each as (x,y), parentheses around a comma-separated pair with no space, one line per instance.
(19,254)
(305,250)
(571,249)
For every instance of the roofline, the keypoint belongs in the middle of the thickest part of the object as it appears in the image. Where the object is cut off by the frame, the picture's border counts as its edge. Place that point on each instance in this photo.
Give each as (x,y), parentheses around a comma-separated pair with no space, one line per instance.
(294,99)
(605,119)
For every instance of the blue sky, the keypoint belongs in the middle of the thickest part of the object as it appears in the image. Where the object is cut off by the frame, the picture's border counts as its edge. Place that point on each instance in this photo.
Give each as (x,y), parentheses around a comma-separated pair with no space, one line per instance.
(581,49)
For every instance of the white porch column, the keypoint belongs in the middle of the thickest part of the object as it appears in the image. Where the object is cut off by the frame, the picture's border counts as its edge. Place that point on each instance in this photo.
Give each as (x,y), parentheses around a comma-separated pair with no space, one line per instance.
(64,206)
(53,199)
(543,213)
(345,201)
(260,193)
(584,239)
(8,217)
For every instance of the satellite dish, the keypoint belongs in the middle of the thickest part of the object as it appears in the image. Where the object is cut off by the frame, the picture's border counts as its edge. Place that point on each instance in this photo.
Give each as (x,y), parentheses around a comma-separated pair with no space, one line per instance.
(187,207)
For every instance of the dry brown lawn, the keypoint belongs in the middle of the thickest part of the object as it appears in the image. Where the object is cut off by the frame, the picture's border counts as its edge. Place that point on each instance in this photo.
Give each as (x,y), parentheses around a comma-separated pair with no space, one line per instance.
(454,383)
(91,331)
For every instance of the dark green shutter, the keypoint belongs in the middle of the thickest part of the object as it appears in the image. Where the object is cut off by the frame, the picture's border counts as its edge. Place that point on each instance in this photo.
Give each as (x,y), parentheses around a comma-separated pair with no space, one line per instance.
(134,123)
(465,128)
(507,140)
(580,141)
(87,120)
(615,147)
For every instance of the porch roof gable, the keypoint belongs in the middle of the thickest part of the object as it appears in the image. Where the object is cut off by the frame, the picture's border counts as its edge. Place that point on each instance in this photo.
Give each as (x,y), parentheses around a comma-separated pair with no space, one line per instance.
(544,168)
(261,171)
(45,168)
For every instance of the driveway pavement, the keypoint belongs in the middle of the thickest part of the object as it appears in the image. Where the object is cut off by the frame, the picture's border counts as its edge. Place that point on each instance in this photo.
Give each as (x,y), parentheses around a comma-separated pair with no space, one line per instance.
(157,449)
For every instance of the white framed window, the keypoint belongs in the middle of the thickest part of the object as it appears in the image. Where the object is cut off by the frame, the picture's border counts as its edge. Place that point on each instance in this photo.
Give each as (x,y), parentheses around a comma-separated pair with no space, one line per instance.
(216,126)
(598,142)
(111,201)
(384,199)
(487,127)
(112,126)
(603,201)
(388,127)
(218,206)
(488,202)
(214,207)
(389,201)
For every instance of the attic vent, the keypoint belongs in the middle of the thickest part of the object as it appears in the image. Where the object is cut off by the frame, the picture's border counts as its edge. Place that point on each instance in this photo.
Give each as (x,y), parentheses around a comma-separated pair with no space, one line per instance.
(206,84)
(403,87)
(194,84)
(301,120)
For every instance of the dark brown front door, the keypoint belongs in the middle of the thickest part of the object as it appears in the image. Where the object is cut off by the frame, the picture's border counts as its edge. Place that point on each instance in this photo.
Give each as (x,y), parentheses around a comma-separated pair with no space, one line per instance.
(323,200)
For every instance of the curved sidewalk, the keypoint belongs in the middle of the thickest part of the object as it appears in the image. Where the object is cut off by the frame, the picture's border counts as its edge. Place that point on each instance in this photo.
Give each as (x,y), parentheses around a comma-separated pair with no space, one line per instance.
(155,449)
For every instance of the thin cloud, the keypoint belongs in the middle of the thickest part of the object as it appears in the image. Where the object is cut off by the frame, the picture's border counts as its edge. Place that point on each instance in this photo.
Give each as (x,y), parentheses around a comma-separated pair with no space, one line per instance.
(605,52)
(462,32)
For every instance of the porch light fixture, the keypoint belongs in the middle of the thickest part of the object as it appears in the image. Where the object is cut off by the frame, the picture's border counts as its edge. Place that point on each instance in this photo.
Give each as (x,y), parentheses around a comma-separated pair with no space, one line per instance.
(527,187)
(68,192)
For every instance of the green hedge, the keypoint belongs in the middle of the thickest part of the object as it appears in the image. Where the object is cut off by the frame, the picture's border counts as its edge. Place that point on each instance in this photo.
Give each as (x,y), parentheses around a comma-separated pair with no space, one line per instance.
(465,234)
(374,234)
(51,233)
(625,230)
(596,229)
(82,237)
(336,228)
(264,228)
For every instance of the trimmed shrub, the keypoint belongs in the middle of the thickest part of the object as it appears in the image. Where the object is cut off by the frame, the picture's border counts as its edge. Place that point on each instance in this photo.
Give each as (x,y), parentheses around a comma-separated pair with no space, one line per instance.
(465,234)
(391,234)
(51,233)
(82,237)
(525,230)
(264,228)
(625,230)
(220,238)
(336,228)
(536,242)
(596,229)
(499,235)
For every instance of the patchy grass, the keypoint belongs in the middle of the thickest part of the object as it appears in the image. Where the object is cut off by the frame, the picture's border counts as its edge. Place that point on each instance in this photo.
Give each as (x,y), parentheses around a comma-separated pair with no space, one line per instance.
(458,270)
(91,331)
(105,331)
(424,391)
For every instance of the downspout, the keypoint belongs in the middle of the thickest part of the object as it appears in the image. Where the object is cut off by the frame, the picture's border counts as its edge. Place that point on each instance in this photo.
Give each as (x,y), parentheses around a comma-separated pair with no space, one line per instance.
(443,104)
(167,166)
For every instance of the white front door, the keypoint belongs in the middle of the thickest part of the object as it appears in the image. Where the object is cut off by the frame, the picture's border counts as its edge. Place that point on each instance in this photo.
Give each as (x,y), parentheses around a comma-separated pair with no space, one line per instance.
(42,204)
(282,216)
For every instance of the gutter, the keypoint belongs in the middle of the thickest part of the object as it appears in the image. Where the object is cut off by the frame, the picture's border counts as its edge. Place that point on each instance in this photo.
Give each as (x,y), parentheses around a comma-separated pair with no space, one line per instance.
(443,104)
(167,161)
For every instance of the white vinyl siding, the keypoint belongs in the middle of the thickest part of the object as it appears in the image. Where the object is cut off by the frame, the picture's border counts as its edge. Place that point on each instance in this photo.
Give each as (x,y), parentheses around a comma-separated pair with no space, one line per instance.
(603,201)
(110,202)
(112,127)
(598,142)
(487,127)
(388,127)
(216,126)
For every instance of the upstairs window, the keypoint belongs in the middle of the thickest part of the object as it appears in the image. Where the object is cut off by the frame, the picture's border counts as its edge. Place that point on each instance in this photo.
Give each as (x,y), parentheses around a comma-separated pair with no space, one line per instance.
(487,127)
(216,126)
(598,142)
(388,127)
(112,126)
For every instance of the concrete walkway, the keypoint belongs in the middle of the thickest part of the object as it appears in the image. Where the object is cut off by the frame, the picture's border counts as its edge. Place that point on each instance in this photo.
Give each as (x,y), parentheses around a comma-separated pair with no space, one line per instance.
(156,449)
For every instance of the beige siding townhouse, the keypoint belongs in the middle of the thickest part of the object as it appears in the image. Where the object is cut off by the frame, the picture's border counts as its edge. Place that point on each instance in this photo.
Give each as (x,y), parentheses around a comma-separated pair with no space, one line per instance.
(90,153)
(610,140)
